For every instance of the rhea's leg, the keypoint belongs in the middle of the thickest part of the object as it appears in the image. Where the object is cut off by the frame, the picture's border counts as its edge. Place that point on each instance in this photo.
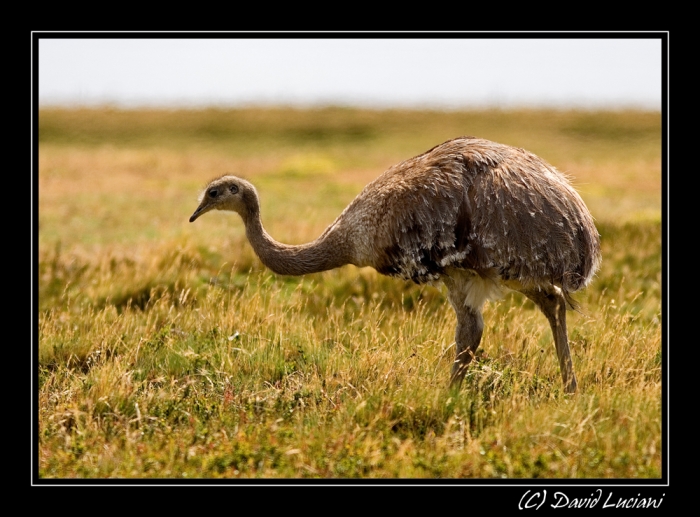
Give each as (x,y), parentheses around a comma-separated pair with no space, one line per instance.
(552,303)
(470,326)
(467,292)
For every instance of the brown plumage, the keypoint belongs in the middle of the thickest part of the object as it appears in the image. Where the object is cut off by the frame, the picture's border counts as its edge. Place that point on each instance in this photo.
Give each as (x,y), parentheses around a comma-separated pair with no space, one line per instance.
(477,215)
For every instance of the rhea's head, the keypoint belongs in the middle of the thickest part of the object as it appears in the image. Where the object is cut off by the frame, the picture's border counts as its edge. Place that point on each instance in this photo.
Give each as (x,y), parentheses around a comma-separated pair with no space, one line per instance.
(228,193)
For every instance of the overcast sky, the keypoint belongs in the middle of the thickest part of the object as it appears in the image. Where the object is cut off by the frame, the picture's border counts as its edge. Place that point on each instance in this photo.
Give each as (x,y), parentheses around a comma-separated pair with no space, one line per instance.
(438,73)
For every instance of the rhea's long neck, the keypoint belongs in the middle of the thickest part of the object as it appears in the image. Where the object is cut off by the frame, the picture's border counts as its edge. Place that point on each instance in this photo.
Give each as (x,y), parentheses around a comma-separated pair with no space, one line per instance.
(327,252)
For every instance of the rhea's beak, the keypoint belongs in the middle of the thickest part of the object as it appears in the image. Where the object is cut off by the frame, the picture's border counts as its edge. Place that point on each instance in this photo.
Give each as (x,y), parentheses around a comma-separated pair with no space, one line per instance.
(201,209)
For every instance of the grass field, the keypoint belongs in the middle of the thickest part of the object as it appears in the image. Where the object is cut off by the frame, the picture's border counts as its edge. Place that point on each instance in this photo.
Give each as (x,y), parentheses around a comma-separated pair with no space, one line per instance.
(166,350)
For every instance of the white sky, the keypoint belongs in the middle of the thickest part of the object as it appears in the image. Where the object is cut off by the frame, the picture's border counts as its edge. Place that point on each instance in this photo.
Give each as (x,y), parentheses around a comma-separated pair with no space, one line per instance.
(431,72)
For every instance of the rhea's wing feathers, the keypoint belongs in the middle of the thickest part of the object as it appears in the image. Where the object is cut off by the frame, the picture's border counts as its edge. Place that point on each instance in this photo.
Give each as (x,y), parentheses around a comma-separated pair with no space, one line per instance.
(480,205)
(532,223)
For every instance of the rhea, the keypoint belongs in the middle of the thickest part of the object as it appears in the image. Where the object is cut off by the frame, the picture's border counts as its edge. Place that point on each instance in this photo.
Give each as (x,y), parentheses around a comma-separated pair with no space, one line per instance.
(479,216)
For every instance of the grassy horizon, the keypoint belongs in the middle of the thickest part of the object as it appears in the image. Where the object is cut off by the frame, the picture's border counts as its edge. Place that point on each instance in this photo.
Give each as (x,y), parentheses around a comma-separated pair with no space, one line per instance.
(166,350)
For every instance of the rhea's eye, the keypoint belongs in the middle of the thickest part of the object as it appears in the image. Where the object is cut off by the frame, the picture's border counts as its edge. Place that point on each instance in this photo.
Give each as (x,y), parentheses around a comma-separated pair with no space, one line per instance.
(233,189)
(213,193)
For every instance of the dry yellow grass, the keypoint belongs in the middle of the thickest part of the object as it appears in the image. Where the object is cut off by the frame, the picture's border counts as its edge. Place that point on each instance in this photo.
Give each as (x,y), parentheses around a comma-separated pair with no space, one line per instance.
(166,350)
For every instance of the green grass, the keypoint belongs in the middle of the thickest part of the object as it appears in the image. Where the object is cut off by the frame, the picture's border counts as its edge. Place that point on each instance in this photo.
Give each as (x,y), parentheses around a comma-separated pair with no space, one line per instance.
(166,350)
